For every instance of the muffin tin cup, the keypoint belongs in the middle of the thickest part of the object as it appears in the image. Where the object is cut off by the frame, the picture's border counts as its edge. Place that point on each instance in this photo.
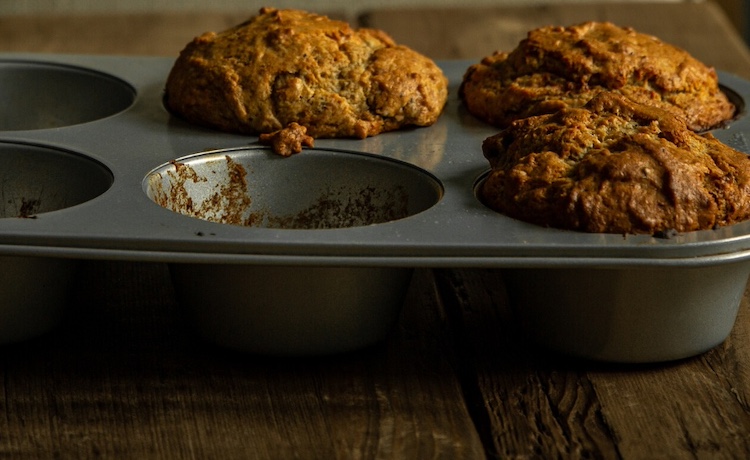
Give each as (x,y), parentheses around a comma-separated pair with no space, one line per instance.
(311,254)
(36,180)
(40,95)
(322,189)
(628,315)
(291,310)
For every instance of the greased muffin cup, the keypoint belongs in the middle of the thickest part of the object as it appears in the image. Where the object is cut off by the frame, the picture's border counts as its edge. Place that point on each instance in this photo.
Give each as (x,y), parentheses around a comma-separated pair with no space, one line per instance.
(292,310)
(271,277)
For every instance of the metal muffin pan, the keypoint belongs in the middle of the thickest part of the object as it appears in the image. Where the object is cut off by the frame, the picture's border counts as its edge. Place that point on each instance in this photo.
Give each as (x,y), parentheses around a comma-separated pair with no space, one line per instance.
(137,138)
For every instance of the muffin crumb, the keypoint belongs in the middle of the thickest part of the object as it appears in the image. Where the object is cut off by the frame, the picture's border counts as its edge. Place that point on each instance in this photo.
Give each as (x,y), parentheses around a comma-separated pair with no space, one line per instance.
(289,140)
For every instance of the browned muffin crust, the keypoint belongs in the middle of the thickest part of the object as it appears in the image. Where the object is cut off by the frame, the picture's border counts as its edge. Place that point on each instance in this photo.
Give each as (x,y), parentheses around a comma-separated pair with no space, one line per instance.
(615,166)
(285,66)
(557,67)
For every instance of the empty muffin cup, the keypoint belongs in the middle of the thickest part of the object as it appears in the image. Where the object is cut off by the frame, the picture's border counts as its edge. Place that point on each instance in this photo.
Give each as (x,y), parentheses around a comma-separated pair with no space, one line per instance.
(36,180)
(38,95)
(318,189)
(629,315)
(289,309)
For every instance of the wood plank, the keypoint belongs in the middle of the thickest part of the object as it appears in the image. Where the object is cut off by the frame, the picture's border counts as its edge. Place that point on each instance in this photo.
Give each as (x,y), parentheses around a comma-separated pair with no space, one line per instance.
(529,407)
(133,34)
(471,33)
(545,406)
(125,377)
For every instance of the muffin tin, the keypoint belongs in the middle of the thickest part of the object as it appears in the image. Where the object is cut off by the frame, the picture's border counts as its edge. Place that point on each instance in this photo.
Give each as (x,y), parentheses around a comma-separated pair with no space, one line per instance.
(131,182)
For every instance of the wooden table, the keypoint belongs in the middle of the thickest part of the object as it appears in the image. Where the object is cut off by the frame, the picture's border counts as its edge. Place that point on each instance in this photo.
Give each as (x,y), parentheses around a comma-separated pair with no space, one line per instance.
(124,377)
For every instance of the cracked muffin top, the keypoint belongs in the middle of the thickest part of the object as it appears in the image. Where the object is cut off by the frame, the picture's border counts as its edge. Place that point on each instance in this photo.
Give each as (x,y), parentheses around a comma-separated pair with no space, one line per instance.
(289,66)
(615,166)
(557,67)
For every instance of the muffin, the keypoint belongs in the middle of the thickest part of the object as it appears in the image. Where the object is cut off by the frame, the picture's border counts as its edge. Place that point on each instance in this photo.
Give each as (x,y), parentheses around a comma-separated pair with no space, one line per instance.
(615,166)
(556,67)
(288,66)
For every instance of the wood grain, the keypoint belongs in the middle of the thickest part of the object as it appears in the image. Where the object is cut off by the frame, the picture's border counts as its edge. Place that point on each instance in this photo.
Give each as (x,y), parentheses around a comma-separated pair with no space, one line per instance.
(124,376)
(131,34)
(539,405)
(472,33)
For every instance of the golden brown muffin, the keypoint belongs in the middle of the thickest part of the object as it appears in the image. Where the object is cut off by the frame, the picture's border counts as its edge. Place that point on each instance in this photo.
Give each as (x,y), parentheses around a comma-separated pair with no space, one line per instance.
(557,67)
(289,66)
(615,166)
